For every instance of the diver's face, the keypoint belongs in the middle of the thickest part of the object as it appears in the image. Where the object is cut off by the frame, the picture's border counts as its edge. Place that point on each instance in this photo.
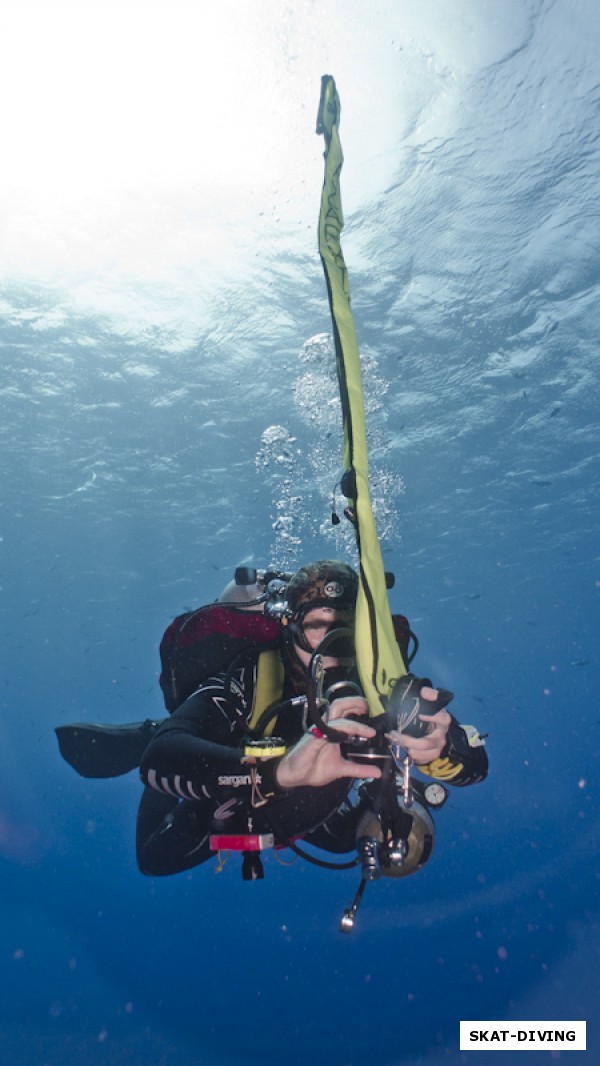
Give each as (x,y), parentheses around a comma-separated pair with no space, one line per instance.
(316,626)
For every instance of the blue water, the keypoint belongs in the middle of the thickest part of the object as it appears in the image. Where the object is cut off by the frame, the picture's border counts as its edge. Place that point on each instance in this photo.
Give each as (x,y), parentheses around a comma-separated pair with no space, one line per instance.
(168,411)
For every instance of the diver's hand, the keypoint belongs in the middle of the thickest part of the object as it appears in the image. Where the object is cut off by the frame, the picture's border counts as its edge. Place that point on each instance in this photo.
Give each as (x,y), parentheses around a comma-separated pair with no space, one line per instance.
(346,706)
(425,749)
(316,761)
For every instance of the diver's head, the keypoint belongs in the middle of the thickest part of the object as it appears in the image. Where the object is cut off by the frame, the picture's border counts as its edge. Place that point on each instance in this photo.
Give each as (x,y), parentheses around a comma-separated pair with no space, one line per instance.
(320,596)
(326,583)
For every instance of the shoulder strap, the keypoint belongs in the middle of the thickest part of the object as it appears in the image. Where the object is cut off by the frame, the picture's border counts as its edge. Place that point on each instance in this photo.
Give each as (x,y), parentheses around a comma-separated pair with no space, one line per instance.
(269,686)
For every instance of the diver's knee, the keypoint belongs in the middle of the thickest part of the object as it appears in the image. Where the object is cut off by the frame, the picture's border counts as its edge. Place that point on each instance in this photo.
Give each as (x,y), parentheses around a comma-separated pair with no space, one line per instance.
(149,864)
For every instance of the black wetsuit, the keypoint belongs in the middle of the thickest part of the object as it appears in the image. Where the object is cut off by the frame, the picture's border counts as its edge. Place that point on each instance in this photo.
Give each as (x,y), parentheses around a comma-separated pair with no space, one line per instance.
(197,783)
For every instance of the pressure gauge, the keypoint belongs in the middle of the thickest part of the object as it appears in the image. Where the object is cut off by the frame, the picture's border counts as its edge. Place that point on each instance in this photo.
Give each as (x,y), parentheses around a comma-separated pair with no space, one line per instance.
(264,748)
(435,794)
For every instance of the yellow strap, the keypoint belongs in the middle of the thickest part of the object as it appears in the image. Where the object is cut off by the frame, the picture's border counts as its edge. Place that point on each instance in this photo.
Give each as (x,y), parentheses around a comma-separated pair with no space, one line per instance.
(379,659)
(269,686)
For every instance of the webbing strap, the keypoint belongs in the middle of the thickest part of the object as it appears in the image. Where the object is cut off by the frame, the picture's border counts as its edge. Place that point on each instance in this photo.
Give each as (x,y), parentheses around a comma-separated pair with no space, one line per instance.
(269,687)
(378,656)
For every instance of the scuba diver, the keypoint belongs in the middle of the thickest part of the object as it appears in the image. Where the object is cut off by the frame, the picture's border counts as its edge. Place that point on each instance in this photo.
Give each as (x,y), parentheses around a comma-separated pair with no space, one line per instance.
(292,688)
(269,734)
(267,751)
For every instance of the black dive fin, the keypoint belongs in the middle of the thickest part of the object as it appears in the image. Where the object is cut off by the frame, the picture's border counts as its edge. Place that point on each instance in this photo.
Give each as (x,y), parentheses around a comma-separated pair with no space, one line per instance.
(105,750)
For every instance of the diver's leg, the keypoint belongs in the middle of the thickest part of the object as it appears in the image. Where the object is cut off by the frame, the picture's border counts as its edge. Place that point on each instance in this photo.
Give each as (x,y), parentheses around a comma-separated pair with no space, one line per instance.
(171,835)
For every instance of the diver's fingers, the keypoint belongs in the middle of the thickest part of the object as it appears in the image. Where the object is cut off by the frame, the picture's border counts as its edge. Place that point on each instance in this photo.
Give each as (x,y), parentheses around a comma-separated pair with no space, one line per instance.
(429,693)
(356,729)
(357,769)
(354,769)
(440,719)
(347,705)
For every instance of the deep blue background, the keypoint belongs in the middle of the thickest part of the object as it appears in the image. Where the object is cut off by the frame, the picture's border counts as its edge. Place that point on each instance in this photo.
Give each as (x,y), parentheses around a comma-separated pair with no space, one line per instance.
(137,473)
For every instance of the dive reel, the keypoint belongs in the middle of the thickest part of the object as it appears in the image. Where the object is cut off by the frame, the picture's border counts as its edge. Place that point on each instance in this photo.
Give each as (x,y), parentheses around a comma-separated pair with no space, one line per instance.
(396,832)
